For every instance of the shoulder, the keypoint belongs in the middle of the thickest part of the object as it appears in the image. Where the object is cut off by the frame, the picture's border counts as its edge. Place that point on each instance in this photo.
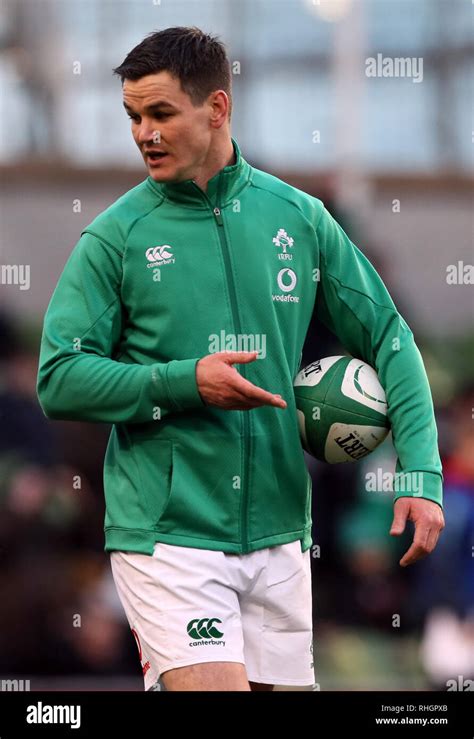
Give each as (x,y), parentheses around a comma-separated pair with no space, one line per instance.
(114,223)
(309,206)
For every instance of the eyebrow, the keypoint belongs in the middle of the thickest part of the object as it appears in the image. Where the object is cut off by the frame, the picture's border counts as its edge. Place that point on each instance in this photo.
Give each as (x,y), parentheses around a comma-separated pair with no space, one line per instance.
(153,106)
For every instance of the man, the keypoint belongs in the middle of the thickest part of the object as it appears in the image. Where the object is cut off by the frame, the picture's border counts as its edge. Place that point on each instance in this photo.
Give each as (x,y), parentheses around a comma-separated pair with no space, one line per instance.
(208,497)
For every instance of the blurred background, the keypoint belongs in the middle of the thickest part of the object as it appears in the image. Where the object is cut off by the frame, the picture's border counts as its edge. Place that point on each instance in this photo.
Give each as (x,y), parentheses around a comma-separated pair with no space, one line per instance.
(390,154)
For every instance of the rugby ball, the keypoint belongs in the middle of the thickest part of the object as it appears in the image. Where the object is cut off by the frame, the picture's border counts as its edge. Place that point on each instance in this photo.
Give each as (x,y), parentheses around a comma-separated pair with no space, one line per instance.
(342,409)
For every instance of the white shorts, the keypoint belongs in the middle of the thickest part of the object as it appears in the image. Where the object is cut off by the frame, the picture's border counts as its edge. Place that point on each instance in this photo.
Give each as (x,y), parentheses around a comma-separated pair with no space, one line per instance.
(187,606)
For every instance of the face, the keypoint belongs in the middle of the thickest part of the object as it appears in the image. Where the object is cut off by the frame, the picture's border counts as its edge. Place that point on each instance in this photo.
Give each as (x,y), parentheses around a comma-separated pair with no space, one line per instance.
(172,134)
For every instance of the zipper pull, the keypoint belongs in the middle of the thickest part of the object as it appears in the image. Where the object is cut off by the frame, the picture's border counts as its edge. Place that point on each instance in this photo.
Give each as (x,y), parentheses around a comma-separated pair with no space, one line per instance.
(218,215)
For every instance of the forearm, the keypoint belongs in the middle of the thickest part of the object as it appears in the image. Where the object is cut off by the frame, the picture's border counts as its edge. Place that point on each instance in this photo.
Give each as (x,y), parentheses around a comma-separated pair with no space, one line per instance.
(87,387)
(410,410)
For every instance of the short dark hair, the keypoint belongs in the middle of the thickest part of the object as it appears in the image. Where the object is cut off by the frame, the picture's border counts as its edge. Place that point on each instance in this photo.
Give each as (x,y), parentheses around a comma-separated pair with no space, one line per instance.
(197,59)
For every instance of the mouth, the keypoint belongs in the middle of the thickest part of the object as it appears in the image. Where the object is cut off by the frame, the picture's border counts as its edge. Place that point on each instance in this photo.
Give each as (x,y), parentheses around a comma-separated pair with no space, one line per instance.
(155,157)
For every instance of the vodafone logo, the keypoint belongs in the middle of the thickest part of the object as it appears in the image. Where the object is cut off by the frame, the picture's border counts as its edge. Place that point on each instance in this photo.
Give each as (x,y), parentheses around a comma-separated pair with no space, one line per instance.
(286,279)
(287,274)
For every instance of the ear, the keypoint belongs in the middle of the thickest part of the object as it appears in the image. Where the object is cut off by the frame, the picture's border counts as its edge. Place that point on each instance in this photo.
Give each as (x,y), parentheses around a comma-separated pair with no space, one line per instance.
(219,106)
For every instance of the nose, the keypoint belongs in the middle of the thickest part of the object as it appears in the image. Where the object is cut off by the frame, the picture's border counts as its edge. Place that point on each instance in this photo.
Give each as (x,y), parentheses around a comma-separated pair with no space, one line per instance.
(147,132)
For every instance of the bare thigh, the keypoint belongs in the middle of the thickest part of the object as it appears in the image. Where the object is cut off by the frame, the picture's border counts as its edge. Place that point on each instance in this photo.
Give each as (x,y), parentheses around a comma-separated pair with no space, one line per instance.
(210,676)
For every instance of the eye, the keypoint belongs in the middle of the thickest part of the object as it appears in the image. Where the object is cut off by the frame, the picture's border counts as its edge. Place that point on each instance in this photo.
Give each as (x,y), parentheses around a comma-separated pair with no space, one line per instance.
(132,117)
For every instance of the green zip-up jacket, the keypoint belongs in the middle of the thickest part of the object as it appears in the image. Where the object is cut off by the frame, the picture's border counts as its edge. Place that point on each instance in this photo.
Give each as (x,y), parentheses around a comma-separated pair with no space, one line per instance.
(165,276)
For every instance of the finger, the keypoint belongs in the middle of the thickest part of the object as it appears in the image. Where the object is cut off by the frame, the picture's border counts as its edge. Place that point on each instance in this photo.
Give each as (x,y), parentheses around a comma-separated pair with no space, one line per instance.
(414,553)
(238,357)
(238,399)
(247,404)
(241,403)
(400,514)
(248,389)
(432,538)
(420,546)
(256,395)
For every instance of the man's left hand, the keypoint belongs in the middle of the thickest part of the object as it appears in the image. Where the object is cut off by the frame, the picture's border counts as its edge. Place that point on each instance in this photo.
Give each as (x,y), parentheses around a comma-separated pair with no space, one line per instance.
(429,522)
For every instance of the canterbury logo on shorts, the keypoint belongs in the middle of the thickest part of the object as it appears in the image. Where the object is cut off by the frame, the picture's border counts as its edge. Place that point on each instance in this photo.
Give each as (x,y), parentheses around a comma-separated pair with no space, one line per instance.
(204,631)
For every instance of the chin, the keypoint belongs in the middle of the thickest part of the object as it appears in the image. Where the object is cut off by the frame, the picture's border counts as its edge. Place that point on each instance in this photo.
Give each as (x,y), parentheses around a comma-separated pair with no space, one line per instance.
(160,176)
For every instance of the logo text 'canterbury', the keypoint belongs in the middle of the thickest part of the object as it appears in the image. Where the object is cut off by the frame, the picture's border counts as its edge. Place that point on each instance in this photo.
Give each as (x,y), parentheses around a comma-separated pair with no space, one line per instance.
(203,628)
(204,632)
(159,255)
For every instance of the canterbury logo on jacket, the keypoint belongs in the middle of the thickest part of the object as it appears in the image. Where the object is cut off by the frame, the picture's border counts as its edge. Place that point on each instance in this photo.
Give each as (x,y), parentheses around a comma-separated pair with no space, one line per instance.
(168,274)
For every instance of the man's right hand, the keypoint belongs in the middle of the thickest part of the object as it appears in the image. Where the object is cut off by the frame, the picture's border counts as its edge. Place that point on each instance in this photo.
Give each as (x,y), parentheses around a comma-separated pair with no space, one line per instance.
(221,385)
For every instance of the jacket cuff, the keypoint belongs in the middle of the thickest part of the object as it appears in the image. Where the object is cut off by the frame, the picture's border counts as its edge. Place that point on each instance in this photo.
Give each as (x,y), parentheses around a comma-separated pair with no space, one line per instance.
(181,384)
(429,486)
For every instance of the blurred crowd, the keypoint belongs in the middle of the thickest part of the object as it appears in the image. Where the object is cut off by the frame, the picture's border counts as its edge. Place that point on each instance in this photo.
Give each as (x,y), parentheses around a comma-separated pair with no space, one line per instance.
(60,614)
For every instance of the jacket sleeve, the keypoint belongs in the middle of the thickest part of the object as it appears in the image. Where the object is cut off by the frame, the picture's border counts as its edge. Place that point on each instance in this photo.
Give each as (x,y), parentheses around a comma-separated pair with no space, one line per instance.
(353,302)
(77,378)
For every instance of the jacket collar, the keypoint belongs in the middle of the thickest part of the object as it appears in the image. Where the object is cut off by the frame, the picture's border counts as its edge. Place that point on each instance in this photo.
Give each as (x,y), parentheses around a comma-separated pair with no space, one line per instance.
(221,189)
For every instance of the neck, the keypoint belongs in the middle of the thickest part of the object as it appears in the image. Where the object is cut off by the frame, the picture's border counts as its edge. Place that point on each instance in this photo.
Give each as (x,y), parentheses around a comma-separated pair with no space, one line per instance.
(216,160)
